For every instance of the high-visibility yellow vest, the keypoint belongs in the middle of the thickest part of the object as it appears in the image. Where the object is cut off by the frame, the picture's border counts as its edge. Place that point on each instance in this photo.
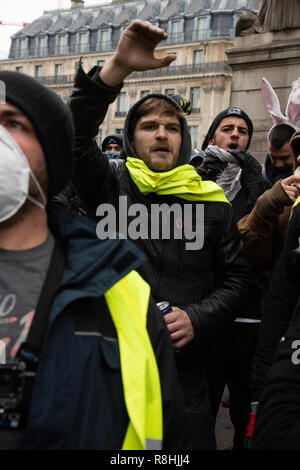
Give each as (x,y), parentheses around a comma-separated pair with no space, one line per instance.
(128,302)
(297,201)
(294,205)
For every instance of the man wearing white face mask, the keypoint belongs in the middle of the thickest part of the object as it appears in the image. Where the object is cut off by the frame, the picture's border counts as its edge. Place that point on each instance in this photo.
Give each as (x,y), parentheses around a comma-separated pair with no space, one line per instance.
(72,341)
(19,183)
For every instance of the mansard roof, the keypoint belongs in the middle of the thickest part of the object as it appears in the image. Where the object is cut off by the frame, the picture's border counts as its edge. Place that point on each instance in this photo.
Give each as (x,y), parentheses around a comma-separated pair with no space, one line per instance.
(96,17)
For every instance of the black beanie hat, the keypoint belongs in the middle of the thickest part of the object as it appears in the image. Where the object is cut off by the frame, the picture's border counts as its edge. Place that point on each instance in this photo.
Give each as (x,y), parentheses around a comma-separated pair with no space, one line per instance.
(112,139)
(52,122)
(223,114)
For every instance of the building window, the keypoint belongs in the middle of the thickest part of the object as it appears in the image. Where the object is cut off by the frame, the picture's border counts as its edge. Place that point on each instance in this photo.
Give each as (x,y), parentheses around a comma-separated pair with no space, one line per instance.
(105,40)
(99,138)
(58,73)
(38,71)
(22,48)
(175,32)
(145,93)
(202,28)
(173,63)
(83,42)
(120,131)
(195,99)
(19,69)
(77,65)
(194,131)
(41,47)
(197,60)
(170,91)
(197,57)
(121,104)
(58,70)
(62,45)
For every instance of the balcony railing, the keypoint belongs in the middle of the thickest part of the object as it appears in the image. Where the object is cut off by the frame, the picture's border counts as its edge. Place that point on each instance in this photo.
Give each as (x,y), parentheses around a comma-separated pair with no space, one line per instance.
(192,69)
(106,46)
(56,79)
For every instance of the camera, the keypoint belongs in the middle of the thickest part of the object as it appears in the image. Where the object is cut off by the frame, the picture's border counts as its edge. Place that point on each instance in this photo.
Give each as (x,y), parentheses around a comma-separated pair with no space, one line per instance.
(13,393)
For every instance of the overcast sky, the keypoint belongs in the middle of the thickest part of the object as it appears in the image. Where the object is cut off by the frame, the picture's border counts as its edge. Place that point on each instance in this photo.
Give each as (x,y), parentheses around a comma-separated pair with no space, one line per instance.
(25,11)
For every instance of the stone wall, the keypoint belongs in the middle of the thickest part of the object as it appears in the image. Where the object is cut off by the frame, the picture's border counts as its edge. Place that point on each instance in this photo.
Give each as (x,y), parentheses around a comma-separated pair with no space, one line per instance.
(275,56)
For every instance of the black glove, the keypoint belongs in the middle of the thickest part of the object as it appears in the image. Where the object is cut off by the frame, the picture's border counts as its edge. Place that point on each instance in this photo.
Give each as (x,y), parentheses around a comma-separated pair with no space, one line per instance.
(252,178)
(211,167)
(248,163)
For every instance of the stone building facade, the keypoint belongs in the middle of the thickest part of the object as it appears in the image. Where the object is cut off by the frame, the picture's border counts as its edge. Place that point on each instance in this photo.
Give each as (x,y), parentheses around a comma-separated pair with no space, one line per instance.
(199,32)
(275,56)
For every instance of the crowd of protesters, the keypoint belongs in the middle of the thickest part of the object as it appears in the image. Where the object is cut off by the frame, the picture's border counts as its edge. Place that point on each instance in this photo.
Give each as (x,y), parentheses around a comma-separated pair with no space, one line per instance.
(140,278)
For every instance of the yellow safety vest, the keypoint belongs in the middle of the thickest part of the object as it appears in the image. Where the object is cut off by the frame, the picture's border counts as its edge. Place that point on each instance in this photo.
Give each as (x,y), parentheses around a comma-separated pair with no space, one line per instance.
(297,201)
(294,205)
(128,302)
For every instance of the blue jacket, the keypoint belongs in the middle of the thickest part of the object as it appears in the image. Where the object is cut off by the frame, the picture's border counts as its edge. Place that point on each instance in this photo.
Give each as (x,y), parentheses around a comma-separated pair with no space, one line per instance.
(77,400)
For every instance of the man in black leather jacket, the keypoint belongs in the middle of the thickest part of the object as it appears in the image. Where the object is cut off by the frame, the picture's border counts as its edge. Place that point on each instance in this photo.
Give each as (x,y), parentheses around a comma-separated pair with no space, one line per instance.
(228,163)
(206,281)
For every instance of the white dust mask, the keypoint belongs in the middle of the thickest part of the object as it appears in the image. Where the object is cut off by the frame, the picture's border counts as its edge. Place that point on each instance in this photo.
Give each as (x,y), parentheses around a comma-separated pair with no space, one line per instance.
(14,178)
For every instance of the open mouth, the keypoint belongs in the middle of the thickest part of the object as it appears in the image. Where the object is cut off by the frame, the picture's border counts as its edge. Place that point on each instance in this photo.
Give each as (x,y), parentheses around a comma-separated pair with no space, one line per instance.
(233,147)
(161,149)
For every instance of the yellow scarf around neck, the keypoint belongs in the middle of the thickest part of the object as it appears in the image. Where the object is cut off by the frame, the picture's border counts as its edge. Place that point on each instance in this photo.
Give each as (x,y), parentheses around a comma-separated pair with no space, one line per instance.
(183,181)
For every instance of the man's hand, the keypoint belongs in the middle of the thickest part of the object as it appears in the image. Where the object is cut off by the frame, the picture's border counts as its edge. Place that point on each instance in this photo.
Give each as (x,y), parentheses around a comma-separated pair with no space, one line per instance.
(135,52)
(289,186)
(180,327)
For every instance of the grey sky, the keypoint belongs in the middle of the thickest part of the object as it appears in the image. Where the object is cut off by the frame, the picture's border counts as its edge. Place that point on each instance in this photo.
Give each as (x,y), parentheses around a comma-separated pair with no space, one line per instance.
(25,11)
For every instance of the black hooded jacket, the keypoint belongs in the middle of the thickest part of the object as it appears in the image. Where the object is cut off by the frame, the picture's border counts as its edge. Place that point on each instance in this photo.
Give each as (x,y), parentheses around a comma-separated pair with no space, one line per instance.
(276,376)
(271,174)
(212,283)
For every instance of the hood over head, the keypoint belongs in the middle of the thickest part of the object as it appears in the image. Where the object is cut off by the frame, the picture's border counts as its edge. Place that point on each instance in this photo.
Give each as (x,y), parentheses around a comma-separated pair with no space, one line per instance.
(185,150)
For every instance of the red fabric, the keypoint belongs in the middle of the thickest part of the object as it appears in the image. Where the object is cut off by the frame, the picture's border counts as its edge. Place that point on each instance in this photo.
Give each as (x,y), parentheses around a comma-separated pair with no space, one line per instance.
(251,424)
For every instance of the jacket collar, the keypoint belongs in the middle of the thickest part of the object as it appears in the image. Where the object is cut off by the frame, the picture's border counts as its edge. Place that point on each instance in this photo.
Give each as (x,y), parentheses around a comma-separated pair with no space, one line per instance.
(92,263)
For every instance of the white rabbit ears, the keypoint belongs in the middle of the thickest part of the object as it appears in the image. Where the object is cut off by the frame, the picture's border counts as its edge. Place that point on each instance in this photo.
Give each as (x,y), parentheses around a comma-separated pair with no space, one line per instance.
(272,105)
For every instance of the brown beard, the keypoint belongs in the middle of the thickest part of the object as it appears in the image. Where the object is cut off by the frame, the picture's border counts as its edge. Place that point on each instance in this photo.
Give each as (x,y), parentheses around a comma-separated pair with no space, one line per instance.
(18,217)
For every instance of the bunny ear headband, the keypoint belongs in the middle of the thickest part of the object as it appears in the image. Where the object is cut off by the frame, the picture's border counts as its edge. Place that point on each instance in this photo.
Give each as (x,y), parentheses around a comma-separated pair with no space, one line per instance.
(272,105)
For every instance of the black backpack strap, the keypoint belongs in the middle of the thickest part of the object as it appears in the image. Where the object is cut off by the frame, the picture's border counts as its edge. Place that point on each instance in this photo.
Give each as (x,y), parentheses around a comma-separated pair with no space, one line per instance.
(30,350)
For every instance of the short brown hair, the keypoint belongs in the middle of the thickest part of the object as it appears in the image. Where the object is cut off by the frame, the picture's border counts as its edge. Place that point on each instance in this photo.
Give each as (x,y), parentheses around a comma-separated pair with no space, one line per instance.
(149,106)
(280,135)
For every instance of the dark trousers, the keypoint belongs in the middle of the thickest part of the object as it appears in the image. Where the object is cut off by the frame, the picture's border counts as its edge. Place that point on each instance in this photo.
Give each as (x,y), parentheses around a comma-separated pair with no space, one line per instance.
(238,353)
(202,431)
(197,404)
